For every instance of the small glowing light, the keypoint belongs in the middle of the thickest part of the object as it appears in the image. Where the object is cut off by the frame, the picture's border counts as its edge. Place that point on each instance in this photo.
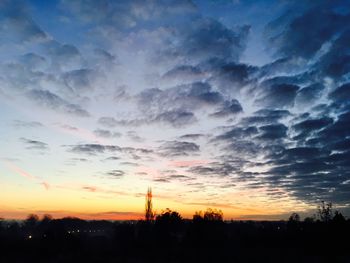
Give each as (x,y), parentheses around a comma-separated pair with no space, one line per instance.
(78,230)
(30,237)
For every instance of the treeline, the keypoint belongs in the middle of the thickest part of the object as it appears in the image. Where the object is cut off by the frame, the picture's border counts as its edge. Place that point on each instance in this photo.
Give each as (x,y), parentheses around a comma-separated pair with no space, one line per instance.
(168,237)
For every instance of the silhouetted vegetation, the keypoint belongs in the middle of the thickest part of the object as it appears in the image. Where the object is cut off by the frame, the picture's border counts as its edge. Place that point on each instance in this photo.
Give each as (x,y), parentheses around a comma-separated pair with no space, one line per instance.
(170,238)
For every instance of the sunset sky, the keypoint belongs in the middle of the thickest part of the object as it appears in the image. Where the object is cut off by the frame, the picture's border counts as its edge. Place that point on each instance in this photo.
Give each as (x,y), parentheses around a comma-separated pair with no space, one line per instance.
(238,105)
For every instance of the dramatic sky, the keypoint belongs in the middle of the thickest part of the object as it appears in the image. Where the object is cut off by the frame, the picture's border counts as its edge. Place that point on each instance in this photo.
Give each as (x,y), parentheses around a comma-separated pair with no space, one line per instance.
(238,105)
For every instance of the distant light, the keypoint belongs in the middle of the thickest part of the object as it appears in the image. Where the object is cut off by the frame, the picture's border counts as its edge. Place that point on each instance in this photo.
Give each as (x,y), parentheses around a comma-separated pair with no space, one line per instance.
(78,231)
(30,237)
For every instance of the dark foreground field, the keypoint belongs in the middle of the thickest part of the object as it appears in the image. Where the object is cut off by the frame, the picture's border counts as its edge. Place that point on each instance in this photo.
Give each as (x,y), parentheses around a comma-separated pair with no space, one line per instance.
(174,240)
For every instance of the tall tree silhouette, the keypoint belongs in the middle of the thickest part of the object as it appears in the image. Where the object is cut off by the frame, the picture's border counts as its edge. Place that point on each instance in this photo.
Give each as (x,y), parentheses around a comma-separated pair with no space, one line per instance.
(149,215)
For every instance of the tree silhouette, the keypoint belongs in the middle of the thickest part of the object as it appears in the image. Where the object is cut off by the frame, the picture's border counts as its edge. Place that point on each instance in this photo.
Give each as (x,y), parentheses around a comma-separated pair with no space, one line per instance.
(31,221)
(213,215)
(149,215)
(294,217)
(338,218)
(325,212)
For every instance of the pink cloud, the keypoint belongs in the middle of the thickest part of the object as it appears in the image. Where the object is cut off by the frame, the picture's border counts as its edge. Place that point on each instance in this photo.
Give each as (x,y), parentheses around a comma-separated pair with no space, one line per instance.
(27,175)
(188,163)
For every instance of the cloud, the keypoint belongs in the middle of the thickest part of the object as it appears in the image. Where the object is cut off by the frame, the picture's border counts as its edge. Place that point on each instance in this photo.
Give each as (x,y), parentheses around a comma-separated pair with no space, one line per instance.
(178,148)
(273,131)
(176,118)
(214,169)
(109,122)
(27,124)
(115,173)
(277,95)
(228,109)
(17,26)
(305,34)
(207,38)
(266,116)
(27,175)
(184,73)
(106,134)
(93,149)
(336,62)
(80,80)
(134,136)
(34,145)
(309,125)
(341,94)
(310,93)
(33,61)
(192,136)
(66,57)
(50,100)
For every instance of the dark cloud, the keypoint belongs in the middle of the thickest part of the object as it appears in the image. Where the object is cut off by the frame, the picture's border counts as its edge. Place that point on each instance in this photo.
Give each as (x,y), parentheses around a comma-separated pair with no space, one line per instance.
(306,34)
(126,14)
(229,108)
(106,134)
(238,133)
(184,73)
(33,61)
(34,145)
(134,136)
(309,125)
(192,136)
(27,124)
(50,100)
(273,131)
(184,97)
(66,57)
(176,105)
(341,94)
(178,148)
(336,62)
(277,95)
(214,169)
(93,149)
(266,116)
(310,93)
(109,122)
(176,118)
(116,173)
(207,38)
(17,25)
(112,158)
(80,80)
(230,77)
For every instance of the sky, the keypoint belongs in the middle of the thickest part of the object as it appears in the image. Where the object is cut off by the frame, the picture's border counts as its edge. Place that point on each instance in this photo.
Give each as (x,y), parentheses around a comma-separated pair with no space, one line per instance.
(242,106)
